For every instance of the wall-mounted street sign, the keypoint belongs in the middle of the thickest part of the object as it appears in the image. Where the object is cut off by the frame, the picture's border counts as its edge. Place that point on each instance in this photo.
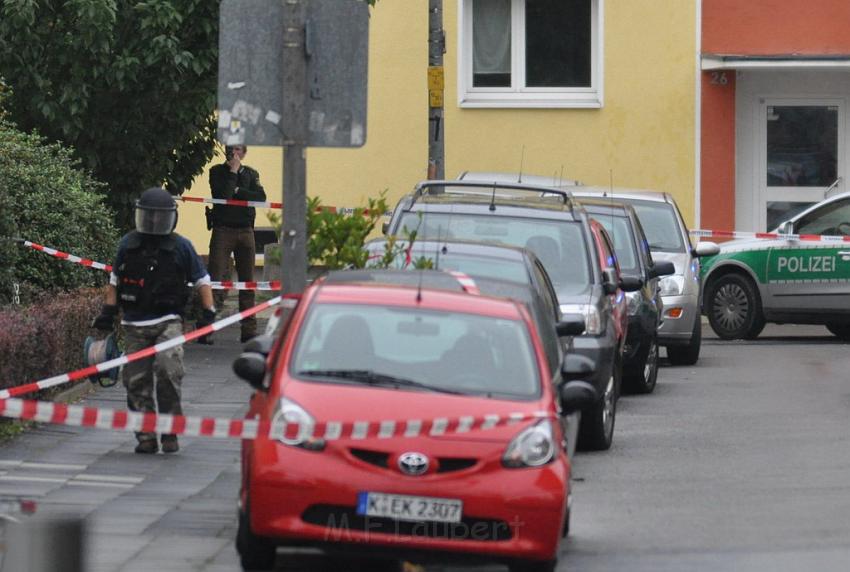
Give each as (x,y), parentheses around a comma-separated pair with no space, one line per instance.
(250,73)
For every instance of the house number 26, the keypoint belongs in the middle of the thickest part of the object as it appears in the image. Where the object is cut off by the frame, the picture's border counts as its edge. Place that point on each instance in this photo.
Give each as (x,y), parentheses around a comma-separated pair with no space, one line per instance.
(719,78)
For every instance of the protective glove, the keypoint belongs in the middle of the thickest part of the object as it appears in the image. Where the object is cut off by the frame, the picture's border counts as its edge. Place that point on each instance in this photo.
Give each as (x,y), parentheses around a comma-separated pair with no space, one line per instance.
(105,322)
(207,318)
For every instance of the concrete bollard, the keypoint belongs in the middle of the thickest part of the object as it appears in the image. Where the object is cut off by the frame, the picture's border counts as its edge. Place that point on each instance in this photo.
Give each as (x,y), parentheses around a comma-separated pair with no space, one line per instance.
(48,544)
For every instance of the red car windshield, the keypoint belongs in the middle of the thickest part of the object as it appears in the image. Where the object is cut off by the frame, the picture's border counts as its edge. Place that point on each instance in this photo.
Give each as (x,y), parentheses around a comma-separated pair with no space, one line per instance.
(446,351)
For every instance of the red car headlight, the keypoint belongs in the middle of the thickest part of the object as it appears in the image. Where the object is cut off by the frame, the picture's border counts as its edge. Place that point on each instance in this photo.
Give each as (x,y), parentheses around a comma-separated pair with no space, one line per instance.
(532,447)
(291,413)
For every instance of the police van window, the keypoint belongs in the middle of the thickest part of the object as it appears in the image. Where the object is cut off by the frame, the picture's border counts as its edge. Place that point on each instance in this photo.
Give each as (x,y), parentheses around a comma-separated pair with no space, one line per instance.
(833,218)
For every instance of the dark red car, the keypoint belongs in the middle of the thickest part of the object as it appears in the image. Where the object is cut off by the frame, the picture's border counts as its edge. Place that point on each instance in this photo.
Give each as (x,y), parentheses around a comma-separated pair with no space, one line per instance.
(428,421)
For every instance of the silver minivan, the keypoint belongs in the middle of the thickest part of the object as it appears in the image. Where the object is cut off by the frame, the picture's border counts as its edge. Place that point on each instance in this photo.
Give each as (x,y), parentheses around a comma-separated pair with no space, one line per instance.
(681,327)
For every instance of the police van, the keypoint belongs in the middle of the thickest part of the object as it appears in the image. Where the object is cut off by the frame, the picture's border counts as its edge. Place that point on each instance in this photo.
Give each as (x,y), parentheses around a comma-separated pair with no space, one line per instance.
(784,280)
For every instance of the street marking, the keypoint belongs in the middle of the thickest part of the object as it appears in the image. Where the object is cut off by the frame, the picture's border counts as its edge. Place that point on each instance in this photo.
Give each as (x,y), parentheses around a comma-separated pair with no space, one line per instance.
(45,466)
(108,478)
(32,479)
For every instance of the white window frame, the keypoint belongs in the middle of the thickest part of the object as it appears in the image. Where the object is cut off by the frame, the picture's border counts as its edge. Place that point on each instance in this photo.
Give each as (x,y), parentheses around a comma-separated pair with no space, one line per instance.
(517,96)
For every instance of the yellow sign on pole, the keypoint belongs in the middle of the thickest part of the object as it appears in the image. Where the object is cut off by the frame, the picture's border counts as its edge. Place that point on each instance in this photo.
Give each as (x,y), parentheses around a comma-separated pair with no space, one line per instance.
(436,83)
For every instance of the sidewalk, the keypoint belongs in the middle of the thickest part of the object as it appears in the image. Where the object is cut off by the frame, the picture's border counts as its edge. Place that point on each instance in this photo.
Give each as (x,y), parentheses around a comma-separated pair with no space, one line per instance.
(143,512)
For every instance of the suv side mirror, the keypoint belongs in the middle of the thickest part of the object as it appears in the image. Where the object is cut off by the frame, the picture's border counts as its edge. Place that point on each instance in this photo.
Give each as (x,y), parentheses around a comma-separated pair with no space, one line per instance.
(385,228)
(576,366)
(570,325)
(786,227)
(706,248)
(576,395)
(251,366)
(631,283)
(662,268)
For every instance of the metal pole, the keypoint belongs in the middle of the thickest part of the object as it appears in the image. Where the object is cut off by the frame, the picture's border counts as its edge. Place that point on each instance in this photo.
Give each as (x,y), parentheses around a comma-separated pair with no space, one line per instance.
(436,127)
(293,236)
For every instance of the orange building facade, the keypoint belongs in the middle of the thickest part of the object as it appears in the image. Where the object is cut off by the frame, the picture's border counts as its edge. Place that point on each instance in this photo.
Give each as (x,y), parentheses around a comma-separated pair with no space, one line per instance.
(774,109)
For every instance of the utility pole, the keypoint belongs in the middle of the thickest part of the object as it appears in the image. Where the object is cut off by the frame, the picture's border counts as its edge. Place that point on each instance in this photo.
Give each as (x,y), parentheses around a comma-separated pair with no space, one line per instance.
(293,236)
(436,84)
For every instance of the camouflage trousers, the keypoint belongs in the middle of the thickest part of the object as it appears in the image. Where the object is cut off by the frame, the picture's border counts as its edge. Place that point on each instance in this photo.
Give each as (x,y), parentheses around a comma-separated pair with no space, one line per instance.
(153,384)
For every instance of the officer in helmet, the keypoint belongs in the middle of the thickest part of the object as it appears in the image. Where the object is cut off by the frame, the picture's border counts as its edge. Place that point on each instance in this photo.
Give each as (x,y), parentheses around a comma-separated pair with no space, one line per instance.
(150,285)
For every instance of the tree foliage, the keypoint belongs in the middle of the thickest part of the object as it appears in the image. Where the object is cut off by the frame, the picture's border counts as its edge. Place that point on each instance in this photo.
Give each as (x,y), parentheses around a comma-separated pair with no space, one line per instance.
(129,84)
(49,200)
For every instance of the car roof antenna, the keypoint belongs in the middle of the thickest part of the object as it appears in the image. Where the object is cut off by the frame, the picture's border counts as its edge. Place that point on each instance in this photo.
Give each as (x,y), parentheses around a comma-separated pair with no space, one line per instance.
(493,198)
(439,248)
(521,161)
(611,186)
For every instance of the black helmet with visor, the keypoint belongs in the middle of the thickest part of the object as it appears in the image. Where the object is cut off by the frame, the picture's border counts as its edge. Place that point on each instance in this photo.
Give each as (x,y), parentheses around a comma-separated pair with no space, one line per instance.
(156,212)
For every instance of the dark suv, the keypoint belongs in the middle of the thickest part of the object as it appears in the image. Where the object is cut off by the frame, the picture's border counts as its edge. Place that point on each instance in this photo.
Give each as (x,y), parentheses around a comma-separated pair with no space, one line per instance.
(640,358)
(575,250)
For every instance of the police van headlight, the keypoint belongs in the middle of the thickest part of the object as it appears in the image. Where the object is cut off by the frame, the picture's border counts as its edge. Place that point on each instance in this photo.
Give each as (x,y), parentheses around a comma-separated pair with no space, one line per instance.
(593,324)
(672,285)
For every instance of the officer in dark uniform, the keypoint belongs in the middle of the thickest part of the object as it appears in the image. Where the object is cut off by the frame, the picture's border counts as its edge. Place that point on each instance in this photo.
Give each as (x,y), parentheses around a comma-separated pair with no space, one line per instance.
(150,284)
(233,226)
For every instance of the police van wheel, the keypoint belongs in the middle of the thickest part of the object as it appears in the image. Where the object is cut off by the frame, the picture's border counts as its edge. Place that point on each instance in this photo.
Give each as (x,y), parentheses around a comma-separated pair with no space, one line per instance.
(842,331)
(734,308)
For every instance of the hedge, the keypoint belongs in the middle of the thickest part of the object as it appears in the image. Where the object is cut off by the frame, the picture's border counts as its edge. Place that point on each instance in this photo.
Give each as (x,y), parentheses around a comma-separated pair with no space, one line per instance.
(46,338)
(48,199)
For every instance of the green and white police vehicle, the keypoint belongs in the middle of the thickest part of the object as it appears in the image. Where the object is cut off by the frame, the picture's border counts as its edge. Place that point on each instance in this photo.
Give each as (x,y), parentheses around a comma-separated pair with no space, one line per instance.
(784,280)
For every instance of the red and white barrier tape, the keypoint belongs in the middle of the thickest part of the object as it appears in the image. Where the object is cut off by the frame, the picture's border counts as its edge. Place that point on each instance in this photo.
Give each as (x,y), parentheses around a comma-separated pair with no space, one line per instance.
(232,202)
(230,285)
(769,235)
(466,282)
(216,285)
(69,257)
(123,420)
(267,204)
(141,354)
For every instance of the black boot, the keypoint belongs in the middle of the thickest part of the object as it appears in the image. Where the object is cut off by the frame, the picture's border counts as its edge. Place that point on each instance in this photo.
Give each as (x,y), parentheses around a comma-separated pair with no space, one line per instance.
(147,447)
(169,444)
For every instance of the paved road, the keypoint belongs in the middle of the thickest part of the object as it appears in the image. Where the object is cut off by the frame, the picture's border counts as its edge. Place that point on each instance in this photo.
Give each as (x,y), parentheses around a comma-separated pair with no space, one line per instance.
(740,463)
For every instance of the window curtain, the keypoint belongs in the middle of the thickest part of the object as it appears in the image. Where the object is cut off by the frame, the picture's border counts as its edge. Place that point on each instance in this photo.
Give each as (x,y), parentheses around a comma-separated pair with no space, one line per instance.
(491,36)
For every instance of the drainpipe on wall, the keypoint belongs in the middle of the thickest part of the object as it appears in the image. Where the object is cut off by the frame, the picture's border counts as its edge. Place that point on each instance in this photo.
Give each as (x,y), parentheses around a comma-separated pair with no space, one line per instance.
(436,84)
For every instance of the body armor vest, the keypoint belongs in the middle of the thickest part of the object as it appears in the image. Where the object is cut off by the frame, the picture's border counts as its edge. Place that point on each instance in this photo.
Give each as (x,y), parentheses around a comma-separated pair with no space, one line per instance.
(151,280)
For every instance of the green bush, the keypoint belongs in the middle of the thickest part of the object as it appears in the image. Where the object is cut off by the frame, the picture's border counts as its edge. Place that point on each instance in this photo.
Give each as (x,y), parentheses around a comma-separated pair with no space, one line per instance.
(45,338)
(335,238)
(49,200)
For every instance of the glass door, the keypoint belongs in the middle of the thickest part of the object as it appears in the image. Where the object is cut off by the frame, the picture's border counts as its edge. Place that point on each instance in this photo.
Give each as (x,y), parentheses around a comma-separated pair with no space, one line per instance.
(802,156)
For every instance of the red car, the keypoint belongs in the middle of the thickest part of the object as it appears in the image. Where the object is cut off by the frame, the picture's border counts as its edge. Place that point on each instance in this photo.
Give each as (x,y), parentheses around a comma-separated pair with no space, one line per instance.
(389,386)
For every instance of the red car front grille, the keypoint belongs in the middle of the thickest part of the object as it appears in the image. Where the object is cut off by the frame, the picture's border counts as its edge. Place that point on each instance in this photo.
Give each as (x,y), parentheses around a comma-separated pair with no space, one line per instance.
(382,459)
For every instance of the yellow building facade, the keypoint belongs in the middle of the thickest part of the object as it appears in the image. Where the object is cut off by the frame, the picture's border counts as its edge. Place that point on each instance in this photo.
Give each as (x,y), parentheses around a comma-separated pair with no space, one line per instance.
(636,125)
